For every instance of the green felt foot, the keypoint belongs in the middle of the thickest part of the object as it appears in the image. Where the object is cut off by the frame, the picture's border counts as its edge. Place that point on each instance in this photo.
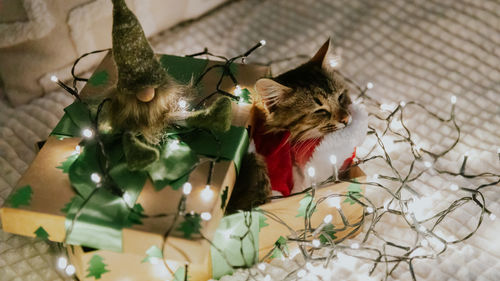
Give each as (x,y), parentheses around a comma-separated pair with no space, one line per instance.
(138,154)
(216,118)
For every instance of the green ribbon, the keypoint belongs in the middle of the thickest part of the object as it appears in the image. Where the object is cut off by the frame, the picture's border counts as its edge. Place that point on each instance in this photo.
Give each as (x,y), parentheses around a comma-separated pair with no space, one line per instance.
(176,162)
(230,145)
(103,216)
(76,118)
(183,69)
(235,243)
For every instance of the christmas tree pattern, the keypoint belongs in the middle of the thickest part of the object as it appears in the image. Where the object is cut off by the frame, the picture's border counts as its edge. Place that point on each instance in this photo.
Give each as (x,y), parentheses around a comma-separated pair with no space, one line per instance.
(96,267)
(41,233)
(306,206)
(21,197)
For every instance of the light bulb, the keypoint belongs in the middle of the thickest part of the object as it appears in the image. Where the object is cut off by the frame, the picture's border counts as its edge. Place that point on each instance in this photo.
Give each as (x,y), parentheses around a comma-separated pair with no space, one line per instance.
(182,104)
(369,85)
(187,188)
(301,273)
(174,145)
(262,42)
(454,187)
(87,133)
(70,270)
(53,78)
(333,159)
(333,63)
(333,202)
(328,219)
(402,103)
(154,260)
(418,147)
(387,107)
(95,177)
(492,216)
(311,171)
(127,197)
(453,99)
(354,246)
(316,243)
(207,193)
(206,216)
(261,266)
(62,262)
(237,90)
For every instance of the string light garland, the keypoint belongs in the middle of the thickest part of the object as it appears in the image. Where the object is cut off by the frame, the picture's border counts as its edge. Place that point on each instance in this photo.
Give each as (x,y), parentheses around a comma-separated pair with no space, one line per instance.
(400,185)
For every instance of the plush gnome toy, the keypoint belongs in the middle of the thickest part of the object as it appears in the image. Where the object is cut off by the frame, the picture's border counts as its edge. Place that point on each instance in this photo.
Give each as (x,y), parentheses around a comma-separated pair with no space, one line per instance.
(145,101)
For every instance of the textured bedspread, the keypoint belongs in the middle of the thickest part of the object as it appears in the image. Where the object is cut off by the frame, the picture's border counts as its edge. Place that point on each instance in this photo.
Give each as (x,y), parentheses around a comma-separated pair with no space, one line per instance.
(425,51)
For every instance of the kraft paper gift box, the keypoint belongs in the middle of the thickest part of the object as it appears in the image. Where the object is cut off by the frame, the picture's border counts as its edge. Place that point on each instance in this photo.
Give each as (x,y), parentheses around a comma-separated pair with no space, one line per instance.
(252,233)
(41,203)
(270,238)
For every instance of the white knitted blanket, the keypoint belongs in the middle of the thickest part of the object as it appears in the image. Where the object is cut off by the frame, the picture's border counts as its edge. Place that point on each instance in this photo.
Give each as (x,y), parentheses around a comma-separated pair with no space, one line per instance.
(425,51)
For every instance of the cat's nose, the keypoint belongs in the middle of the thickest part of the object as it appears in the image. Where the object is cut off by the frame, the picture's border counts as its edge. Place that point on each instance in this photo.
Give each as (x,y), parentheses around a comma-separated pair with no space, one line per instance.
(345,120)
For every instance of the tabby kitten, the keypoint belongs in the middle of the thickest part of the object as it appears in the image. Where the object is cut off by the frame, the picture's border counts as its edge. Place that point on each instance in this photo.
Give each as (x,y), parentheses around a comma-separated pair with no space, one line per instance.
(295,108)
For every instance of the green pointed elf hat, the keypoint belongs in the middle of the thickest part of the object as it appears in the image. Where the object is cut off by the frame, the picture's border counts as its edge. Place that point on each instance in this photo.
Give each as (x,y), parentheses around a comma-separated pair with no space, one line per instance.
(137,65)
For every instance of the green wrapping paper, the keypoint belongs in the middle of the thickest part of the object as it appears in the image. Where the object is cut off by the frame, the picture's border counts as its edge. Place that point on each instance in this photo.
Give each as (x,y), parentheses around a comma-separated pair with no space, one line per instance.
(235,243)
(76,118)
(95,216)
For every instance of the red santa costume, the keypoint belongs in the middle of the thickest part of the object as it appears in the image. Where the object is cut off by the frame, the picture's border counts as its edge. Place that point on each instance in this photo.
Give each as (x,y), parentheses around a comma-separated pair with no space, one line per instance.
(287,162)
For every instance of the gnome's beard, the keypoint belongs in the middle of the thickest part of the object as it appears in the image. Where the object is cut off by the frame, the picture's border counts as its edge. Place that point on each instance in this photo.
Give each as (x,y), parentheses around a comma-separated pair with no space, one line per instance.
(147,118)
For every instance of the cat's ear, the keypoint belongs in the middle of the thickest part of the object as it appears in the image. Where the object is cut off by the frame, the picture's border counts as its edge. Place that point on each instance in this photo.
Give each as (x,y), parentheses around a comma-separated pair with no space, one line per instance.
(271,91)
(326,57)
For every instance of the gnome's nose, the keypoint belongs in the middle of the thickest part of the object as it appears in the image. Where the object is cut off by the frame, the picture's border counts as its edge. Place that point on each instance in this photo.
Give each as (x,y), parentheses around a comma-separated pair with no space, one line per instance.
(146,95)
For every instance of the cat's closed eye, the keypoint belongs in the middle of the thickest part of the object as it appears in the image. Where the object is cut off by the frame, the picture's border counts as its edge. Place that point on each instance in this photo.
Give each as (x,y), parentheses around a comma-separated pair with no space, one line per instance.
(322,112)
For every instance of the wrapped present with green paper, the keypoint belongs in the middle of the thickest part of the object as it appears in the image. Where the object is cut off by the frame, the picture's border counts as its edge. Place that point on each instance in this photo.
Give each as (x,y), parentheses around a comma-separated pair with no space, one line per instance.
(61,195)
(245,238)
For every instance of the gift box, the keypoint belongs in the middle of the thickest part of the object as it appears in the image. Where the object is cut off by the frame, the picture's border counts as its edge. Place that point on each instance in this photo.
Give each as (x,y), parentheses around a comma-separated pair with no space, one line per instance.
(45,204)
(244,238)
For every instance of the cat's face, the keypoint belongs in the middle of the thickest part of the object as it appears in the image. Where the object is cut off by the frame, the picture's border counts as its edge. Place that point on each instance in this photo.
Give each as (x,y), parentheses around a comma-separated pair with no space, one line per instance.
(309,101)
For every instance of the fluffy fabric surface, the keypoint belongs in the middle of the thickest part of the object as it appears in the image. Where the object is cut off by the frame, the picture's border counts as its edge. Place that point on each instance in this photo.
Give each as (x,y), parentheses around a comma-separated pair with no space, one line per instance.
(40,22)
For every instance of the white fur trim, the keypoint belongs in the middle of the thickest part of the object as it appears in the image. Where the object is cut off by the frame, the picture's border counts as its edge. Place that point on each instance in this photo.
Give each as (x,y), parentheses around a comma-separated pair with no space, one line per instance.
(340,143)
(251,147)
(40,22)
(276,193)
